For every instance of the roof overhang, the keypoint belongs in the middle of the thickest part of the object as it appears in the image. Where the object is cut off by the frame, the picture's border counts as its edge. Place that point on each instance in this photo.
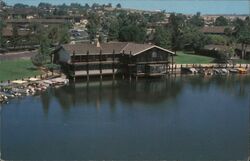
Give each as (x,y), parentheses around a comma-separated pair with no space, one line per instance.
(151,47)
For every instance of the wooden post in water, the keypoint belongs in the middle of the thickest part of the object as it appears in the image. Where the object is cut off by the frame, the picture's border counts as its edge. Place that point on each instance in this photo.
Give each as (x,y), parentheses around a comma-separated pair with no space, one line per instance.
(87,66)
(173,62)
(100,59)
(73,63)
(123,64)
(113,64)
(136,76)
(130,55)
(167,63)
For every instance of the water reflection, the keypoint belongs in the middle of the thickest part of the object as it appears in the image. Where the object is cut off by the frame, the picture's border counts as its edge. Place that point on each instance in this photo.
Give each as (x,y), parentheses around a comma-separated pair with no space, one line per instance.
(150,92)
(182,118)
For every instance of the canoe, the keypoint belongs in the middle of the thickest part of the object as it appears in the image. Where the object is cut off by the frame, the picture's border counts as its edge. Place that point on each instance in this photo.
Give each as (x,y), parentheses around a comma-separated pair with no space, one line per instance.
(242,71)
(233,70)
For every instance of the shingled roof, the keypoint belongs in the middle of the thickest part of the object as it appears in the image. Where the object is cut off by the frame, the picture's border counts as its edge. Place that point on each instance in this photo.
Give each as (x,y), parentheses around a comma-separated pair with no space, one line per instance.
(213,29)
(8,32)
(108,48)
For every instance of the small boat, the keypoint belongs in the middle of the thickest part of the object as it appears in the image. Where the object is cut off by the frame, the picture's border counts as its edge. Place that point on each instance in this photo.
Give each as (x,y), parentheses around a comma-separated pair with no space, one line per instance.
(233,70)
(193,70)
(187,70)
(242,70)
(216,72)
(224,71)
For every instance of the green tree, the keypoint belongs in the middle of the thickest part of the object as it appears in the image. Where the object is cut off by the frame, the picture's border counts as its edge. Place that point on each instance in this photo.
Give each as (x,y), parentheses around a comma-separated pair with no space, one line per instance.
(92,29)
(2,40)
(157,17)
(221,21)
(44,48)
(118,5)
(44,5)
(20,5)
(86,6)
(162,37)
(64,37)
(53,34)
(132,33)
(43,55)
(15,36)
(192,38)
(176,25)
(93,25)
(217,39)
(244,39)
(113,29)
(196,20)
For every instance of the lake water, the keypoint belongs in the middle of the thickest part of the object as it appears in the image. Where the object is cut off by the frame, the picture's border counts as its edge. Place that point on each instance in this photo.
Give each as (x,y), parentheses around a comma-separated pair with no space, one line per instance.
(182,118)
(181,6)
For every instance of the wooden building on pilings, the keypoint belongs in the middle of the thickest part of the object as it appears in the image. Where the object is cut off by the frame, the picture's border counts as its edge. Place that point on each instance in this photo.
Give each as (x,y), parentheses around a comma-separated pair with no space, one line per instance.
(117,58)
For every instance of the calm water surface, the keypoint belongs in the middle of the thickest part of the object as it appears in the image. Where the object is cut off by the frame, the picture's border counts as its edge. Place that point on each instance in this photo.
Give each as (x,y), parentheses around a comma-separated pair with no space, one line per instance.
(189,118)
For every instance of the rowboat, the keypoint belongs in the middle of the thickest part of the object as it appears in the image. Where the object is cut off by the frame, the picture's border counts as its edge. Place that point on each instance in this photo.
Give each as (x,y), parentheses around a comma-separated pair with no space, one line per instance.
(242,70)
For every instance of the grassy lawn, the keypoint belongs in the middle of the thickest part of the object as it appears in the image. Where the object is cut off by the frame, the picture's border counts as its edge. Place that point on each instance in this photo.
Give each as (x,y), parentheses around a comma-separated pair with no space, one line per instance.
(188,58)
(17,69)
(240,61)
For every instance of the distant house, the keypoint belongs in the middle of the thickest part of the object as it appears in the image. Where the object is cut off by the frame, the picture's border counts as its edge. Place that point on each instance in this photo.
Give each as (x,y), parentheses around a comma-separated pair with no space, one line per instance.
(23,13)
(112,58)
(217,47)
(7,32)
(214,51)
(216,30)
(40,21)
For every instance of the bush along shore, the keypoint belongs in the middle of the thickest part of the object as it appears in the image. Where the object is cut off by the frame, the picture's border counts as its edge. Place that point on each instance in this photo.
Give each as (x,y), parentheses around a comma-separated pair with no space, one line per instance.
(30,86)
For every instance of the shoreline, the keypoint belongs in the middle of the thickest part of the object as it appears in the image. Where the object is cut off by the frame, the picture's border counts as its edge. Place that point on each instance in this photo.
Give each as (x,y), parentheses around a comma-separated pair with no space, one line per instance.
(30,86)
(33,85)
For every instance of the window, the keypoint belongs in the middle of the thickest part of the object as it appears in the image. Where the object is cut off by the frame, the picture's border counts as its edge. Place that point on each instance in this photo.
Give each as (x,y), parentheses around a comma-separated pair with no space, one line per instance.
(154,54)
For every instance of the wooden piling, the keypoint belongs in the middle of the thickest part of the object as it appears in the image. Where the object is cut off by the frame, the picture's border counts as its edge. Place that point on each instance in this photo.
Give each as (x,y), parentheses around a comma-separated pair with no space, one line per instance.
(113,64)
(123,64)
(130,72)
(173,63)
(100,64)
(87,66)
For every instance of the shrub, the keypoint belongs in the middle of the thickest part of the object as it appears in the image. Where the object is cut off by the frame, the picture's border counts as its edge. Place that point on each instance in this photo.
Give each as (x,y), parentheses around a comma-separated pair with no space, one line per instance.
(38,60)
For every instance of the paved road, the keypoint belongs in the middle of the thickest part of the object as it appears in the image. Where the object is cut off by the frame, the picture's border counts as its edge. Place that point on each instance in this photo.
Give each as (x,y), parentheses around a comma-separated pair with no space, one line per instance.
(17,55)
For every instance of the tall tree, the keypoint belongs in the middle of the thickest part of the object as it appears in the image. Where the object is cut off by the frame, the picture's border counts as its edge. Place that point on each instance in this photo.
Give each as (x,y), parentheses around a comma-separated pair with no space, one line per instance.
(162,37)
(15,36)
(64,37)
(192,38)
(113,31)
(132,33)
(197,20)
(44,49)
(2,40)
(93,25)
(244,39)
(176,25)
(118,5)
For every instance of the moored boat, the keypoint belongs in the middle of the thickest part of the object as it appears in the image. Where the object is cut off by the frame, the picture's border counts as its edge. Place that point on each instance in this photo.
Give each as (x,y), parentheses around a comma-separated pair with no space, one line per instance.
(242,70)
(233,70)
